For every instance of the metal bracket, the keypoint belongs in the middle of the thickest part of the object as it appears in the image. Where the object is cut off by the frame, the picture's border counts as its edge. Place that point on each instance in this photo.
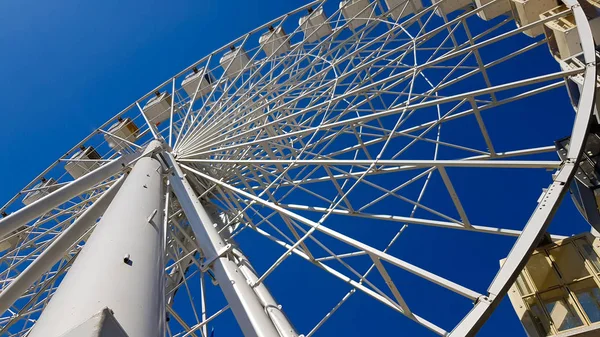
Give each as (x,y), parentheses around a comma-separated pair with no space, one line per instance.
(151,217)
(209,261)
(489,298)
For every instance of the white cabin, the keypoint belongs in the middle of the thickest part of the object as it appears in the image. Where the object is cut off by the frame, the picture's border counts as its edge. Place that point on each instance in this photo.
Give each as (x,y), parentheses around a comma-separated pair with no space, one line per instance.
(528,11)
(158,108)
(356,12)
(124,129)
(562,34)
(315,25)
(556,293)
(191,81)
(494,10)
(401,8)
(274,42)
(40,190)
(234,61)
(13,239)
(574,83)
(446,7)
(84,162)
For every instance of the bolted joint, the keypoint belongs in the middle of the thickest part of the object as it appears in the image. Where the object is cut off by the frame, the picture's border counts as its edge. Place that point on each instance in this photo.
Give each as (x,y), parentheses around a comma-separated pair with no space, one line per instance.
(489,298)
(209,261)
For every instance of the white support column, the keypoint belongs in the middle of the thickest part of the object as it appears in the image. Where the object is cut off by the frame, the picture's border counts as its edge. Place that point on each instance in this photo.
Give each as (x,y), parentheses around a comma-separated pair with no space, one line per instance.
(243,301)
(120,267)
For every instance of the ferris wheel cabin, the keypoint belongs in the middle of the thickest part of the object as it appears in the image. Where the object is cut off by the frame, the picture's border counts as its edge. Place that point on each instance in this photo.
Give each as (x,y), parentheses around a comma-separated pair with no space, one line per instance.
(274,42)
(529,11)
(83,162)
(562,34)
(402,8)
(574,83)
(557,293)
(39,190)
(11,240)
(121,132)
(234,61)
(315,25)
(492,11)
(197,80)
(158,108)
(446,7)
(356,12)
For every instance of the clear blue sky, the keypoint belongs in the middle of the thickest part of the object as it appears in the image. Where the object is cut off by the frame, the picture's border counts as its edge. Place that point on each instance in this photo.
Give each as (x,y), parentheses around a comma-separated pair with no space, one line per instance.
(67,66)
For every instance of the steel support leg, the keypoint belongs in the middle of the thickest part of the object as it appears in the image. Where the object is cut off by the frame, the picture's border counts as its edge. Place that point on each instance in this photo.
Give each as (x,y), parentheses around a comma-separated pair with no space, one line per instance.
(246,306)
(120,266)
(63,194)
(57,249)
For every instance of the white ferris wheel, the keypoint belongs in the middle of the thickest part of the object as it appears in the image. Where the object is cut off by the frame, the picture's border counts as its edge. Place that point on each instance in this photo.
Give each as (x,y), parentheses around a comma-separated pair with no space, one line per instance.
(380,156)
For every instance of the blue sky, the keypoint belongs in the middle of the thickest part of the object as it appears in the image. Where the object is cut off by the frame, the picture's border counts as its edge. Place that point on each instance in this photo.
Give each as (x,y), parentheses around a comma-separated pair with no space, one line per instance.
(68,66)
(83,62)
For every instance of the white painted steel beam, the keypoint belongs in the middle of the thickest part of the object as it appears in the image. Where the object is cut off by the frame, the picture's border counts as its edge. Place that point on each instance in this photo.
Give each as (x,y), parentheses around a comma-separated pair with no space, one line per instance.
(457,288)
(57,249)
(63,194)
(273,309)
(243,301)
(544,164)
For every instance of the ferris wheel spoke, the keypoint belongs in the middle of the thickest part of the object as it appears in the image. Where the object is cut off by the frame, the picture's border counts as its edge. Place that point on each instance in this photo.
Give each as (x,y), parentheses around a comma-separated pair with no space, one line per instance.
(386,193)
(206,321)
(180,320)
(304,96)
(307,235)
(400,306)
(415,221)
(331,312)
(356,285)
(356,244)
(266,219)
(256,72)
(440,164)
(416,106)
(396,163)
(189,295)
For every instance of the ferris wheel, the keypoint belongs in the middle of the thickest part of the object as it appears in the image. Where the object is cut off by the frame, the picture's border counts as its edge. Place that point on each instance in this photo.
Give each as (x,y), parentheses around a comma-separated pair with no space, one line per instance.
(358,156)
